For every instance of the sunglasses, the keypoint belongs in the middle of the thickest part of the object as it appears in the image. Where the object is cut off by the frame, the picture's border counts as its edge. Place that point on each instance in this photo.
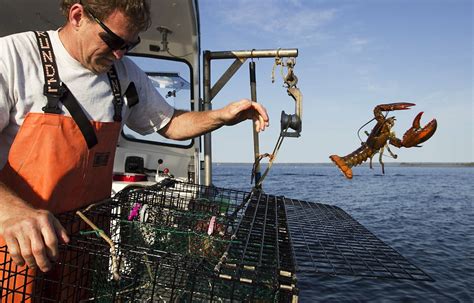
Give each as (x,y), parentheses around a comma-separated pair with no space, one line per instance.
(113,41)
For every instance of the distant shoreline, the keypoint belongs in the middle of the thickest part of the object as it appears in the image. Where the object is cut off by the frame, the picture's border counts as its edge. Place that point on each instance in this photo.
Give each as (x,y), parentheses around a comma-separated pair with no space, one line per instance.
(441,164)
(405,164)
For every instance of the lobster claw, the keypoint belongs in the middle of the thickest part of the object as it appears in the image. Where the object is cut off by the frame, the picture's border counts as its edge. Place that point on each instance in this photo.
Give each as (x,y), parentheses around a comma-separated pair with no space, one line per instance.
(391,106)
(416,134)
(394,106)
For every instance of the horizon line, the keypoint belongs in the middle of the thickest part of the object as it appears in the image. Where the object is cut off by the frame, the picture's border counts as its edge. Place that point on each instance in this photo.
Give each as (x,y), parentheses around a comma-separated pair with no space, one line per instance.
(387,163)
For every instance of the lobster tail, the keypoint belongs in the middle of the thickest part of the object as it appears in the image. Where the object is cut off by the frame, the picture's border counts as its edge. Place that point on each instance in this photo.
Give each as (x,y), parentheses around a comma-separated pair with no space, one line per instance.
(345,169)
(353,159)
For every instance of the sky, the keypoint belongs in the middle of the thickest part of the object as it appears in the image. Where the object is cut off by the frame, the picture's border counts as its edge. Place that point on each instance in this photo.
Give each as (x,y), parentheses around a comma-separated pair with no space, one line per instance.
(353,55)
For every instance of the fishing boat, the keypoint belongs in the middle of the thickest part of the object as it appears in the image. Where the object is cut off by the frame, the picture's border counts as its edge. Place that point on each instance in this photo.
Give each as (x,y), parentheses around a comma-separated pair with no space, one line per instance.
(167,234)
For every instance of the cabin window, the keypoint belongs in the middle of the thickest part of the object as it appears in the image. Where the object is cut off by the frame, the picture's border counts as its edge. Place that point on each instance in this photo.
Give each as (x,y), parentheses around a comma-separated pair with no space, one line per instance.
(172,79)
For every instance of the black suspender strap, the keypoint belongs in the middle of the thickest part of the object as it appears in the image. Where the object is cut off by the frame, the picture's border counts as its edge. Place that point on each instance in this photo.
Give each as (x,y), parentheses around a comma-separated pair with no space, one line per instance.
(57,92)
(52,85)
(80,118)
(116,90)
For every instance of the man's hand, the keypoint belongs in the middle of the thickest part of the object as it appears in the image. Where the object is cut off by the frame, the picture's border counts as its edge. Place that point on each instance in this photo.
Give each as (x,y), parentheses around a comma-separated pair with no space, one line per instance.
(244,109)
(32,236)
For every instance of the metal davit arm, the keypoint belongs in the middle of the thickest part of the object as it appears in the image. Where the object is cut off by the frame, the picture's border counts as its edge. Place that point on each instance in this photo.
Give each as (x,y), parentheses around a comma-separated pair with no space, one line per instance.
(210,92)
(263,53)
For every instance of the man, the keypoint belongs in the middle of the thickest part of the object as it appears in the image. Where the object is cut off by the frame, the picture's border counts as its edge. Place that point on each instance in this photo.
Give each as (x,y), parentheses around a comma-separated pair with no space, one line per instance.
(46,153)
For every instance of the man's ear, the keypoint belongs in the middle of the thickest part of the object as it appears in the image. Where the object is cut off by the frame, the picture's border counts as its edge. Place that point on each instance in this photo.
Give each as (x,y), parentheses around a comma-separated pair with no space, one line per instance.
(77,15)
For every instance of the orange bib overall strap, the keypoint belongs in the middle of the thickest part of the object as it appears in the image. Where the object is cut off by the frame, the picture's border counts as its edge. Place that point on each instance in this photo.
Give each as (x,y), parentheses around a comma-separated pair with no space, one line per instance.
(56,162)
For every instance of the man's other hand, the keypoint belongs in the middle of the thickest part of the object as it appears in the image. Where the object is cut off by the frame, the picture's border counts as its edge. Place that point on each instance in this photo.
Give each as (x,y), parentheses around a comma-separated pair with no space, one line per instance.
(32,237)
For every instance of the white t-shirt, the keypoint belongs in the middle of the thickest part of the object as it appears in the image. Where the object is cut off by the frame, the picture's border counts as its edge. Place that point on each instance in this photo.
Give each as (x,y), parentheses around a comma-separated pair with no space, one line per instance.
(22,81)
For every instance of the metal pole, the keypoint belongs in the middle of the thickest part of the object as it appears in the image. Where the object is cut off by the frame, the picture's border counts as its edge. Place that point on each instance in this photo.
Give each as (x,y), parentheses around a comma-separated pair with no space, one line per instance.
(207,106)
(256,143)
(263,53)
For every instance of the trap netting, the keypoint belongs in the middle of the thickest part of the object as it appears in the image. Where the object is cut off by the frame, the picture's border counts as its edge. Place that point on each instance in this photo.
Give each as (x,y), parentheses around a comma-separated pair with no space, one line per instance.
(172,242)
(328,241)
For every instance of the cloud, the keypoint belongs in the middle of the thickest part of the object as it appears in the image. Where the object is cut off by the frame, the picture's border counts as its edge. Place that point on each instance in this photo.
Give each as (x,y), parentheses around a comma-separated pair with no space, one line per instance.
(358,44)
(296,3)
(290,20)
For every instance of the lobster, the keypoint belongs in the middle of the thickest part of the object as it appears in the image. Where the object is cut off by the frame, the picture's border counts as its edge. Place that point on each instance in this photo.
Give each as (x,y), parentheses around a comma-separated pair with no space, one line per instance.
(382,134)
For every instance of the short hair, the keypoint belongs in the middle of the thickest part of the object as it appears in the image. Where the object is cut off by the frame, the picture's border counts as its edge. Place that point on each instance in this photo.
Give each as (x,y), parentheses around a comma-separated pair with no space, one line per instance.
(137,11)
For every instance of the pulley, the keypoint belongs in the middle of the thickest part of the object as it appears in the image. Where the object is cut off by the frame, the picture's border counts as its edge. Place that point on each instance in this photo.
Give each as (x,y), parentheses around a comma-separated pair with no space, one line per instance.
(291,121)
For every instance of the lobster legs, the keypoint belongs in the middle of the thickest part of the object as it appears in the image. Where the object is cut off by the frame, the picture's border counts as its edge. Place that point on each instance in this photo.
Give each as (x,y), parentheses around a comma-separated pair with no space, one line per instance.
(380,157)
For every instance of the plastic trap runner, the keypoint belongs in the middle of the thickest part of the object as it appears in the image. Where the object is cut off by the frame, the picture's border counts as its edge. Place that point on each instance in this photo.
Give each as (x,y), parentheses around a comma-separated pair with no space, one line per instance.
(180,242)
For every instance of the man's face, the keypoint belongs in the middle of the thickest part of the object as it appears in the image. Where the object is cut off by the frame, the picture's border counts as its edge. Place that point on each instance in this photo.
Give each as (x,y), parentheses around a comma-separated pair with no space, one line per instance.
(96,52)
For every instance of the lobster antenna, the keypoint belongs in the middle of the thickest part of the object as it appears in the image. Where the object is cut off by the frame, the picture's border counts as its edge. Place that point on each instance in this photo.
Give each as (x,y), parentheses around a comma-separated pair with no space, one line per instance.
(358,131)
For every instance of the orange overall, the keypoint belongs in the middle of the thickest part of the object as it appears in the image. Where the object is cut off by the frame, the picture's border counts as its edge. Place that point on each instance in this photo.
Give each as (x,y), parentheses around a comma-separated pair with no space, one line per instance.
(51,166)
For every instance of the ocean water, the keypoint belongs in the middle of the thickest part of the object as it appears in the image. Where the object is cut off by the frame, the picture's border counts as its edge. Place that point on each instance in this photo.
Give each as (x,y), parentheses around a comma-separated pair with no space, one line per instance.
(426,213)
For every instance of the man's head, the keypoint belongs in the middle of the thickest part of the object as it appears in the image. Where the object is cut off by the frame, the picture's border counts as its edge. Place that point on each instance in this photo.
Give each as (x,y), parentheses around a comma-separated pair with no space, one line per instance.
(137,11)
(101,31)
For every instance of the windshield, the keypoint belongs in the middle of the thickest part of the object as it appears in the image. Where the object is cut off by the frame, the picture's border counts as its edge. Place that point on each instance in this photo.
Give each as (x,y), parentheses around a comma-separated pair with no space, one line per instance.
(172,80)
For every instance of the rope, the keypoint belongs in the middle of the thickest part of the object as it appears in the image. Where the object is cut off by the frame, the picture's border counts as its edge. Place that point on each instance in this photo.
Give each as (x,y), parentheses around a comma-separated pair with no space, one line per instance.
(277,62)
(257,163)
(272,157)
(101,233)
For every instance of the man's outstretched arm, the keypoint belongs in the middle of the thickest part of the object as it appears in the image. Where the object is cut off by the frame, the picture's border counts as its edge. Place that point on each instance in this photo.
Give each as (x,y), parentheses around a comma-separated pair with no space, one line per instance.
(185,125)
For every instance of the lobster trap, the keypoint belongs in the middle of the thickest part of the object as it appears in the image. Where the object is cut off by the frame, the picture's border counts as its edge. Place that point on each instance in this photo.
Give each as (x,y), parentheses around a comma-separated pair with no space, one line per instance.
(181,242)
(172,242)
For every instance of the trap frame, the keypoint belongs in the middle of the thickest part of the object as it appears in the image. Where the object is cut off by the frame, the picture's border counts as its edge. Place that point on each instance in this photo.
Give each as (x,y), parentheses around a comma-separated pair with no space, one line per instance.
(182,242)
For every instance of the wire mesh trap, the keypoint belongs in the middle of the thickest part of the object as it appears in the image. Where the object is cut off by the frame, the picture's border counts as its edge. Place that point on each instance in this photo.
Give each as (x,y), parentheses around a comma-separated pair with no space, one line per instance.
(181,242)
(326,240)
(172,242)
